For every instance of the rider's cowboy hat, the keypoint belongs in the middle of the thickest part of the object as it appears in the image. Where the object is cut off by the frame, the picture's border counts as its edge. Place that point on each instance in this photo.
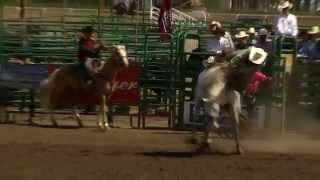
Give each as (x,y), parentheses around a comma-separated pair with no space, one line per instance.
(241,34)
(263,32)
(251,30)
(257,55)
(215,23)
(314,30)
(88,29)
(285,5)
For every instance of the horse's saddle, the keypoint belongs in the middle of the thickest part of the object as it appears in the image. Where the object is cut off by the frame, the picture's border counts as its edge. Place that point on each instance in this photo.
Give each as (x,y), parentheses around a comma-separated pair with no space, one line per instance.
(85,75)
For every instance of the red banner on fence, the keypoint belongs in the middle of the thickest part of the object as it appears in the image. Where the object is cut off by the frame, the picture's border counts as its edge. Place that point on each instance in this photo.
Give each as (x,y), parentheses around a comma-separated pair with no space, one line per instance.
(126,87)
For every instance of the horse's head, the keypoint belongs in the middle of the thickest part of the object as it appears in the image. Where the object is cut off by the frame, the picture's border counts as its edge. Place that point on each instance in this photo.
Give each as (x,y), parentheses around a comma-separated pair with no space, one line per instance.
(119,56)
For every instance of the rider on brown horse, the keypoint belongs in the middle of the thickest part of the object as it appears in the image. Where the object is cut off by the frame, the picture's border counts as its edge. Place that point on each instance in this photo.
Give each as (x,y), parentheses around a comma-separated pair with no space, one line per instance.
(88,54)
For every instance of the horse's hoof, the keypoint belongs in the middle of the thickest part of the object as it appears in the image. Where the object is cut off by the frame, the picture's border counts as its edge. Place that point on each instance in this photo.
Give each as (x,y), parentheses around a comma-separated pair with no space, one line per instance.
(203,148)
(240,151)
(108,126)
(30,122)
(192,140)
(103,127)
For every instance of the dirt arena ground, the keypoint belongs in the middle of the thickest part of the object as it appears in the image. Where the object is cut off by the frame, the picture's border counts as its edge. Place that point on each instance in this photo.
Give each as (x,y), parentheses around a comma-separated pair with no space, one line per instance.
(32,153)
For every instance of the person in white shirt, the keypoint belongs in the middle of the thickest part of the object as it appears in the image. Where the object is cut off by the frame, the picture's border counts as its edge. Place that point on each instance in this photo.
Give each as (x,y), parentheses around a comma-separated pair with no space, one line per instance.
(287,24)
(219,42)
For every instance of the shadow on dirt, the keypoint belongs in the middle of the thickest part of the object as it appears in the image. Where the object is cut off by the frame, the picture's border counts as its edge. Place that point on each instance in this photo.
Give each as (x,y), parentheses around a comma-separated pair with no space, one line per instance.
(184,154)
(170,154)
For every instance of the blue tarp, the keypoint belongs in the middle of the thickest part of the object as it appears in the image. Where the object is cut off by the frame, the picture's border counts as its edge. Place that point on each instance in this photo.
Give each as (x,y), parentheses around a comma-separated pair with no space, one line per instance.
(22,75)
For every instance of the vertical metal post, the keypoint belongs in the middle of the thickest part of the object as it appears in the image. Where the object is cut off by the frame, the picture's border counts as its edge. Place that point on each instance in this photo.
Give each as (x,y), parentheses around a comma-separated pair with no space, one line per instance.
(1,23)
(23,4)
(64,6)
(1,10)
(143,15)
(100,9)
(151,8)
(284,98)
(22,9)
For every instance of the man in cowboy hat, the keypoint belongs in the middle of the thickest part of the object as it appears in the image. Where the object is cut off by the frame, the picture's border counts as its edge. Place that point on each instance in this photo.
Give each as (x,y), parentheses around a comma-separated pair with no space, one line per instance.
(242,40)
(287,24)
(221,39)
(311,47)
(244,63)
(252,35)
(263,40)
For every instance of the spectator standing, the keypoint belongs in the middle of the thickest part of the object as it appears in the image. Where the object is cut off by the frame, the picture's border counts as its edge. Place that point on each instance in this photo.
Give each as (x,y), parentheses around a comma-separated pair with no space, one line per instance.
(252,36)
(263,41)
(287,24)
(218,43)
(311,48)
(242,40)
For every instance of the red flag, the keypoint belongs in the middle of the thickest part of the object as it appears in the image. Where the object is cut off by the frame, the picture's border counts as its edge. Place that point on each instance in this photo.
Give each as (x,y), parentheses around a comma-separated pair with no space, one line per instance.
(165,19)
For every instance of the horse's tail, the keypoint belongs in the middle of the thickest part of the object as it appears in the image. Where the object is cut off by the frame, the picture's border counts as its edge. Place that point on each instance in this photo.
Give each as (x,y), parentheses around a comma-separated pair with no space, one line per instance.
(46,90)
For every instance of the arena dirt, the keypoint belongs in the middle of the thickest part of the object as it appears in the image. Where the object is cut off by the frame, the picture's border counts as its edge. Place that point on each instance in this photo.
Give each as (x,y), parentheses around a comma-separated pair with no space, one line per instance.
(31,153)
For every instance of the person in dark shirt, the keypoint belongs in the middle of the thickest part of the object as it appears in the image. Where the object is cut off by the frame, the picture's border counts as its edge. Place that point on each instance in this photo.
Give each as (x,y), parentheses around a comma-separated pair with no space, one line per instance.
(88,52)
(242,40)
(310,48)
(89,46)
(88,56)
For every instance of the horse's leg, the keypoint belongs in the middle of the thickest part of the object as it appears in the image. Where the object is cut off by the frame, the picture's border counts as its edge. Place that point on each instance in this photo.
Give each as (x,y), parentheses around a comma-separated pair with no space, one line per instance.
(3,114)
(235,110)
(53,120)
(212,111)
(77,116)
(102,122)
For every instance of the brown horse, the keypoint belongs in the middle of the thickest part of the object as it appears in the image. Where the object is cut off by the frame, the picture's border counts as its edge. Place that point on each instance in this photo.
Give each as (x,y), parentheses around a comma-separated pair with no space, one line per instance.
(64,87)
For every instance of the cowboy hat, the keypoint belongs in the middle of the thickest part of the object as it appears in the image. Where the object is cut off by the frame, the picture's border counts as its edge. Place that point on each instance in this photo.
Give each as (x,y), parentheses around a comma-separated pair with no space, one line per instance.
(215,23)
(314,30)
(241,34)
(263,32)
(284,5)
(257,55)
(251,30)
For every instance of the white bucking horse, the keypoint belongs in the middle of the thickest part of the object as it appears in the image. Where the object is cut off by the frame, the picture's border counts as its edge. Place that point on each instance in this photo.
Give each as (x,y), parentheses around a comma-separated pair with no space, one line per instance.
(221,84)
